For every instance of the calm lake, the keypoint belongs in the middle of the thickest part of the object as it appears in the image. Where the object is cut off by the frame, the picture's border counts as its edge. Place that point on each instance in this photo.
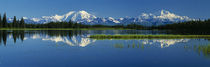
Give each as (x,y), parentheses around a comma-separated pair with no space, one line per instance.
(73,48)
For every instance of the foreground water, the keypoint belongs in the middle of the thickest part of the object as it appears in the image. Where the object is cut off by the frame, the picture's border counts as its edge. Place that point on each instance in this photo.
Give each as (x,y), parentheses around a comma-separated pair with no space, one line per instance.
(73,48)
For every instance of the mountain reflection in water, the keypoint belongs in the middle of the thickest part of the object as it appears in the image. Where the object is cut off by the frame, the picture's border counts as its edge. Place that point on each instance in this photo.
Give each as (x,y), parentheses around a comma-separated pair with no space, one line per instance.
(72,38)
(64,36)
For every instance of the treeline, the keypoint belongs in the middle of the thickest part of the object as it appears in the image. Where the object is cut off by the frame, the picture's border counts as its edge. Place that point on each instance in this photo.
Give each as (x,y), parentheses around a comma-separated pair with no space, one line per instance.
(72,24)
(188,25)
(15,24)
(196,27)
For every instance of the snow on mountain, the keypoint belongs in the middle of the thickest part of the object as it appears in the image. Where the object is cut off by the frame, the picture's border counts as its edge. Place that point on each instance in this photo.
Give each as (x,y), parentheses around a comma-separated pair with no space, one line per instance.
(164,15)
(171,16)
(112,19)
(147,19)
(160,18)
(35,19)
(80,16)
(72,15)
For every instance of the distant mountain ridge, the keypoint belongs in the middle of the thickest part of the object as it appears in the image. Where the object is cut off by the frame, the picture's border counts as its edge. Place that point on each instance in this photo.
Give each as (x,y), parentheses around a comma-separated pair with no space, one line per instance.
(146,19)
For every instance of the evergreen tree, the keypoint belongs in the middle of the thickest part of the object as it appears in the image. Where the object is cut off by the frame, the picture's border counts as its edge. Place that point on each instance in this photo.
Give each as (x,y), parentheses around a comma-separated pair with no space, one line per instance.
(4,21)
(14,24)
(75,25)
(0,21)
(70,24)
(18,24)
(22,23)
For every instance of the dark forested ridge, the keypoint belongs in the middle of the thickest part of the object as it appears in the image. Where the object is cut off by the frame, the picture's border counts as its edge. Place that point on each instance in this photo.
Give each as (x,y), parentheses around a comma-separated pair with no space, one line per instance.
(189,25)
(198,27)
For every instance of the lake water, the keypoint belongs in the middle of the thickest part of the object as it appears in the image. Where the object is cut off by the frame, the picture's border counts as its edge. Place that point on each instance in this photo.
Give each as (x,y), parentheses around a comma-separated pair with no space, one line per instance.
(75,49)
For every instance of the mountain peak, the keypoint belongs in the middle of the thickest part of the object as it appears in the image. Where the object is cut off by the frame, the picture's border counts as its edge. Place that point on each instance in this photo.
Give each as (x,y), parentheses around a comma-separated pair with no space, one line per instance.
(71,15)
(165,12)
(146,16)
(83,12)
(25,17)
(166,15)
(85,15)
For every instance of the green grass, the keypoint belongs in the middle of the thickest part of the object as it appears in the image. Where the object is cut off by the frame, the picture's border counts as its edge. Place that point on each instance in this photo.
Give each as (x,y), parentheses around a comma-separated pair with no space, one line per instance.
(63,29)
(147,36)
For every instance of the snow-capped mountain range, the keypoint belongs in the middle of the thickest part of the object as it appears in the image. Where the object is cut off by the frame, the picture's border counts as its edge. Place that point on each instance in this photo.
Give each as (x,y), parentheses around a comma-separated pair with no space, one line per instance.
(147,19)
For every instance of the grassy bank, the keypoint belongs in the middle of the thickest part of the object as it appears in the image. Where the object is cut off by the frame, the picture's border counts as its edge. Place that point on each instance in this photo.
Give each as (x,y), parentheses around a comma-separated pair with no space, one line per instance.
(63,29)
(147,36)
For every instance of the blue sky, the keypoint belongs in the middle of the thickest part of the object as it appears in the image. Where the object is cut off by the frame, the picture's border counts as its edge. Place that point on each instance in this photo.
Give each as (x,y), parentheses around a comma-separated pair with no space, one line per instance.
(104,8)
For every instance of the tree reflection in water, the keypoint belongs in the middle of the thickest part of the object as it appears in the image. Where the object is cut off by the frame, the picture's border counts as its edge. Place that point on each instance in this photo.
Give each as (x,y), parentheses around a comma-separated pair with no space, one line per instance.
(21,34)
